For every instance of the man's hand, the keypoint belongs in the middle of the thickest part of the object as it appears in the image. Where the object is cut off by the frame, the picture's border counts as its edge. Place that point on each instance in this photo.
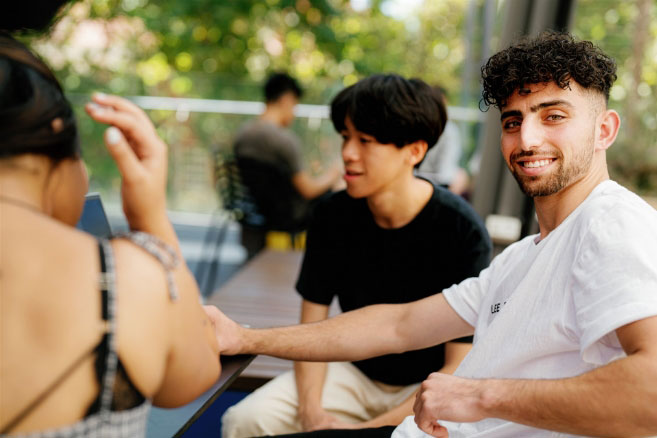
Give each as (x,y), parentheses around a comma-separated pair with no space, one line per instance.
(316,419)
(229,334)
(445,397)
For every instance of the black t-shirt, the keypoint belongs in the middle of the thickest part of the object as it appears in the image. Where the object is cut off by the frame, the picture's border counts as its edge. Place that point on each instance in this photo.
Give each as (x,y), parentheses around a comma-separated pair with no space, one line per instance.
(349,255)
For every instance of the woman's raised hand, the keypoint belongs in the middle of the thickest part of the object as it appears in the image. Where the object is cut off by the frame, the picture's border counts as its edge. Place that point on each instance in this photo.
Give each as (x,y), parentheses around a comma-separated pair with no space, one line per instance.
(140,155)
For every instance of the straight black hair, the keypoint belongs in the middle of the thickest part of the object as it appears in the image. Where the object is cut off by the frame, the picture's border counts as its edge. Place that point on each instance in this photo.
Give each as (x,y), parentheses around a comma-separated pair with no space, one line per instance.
(392,109)
(280,83)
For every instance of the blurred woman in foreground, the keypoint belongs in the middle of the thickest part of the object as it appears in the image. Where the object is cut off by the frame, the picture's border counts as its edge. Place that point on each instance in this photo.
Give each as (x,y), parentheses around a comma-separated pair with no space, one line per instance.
(91,332)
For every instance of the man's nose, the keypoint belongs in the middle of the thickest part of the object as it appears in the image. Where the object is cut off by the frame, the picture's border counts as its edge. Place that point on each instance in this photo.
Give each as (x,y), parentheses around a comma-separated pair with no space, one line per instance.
(531,134)
(349,151)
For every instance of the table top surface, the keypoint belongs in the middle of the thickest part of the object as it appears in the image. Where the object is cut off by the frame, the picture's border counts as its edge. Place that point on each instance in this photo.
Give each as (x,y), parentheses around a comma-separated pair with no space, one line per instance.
(262,294)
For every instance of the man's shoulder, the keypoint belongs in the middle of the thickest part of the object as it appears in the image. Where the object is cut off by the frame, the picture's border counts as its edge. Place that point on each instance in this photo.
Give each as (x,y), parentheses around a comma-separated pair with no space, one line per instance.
(613,216)
(338,203)
(611,202)
(265,141)
(445,203)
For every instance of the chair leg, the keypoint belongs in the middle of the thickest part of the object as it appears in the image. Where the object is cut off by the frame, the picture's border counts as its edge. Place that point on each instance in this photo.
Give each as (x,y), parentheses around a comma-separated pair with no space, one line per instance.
(213,271)
(201,269)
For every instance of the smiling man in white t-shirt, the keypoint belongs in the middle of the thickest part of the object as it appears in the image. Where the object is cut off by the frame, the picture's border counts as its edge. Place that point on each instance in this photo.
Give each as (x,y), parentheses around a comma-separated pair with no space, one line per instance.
(565,321)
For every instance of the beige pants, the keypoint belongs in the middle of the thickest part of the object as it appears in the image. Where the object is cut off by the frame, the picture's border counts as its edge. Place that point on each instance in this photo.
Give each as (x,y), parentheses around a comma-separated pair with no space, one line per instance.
(348,395)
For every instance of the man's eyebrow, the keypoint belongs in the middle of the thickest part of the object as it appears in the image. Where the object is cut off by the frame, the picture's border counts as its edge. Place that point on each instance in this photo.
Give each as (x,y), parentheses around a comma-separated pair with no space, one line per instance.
(549,104)
(535,108)
(512,113)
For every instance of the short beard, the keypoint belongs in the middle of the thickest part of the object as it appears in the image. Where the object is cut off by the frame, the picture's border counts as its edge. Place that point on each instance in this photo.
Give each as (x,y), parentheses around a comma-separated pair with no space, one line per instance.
(562,177)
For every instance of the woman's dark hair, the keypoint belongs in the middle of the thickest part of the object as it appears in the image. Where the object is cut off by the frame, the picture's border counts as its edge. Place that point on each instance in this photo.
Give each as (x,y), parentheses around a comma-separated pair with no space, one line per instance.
(392,109)
(280,83)
(30,100)
(550,57)
(29,15)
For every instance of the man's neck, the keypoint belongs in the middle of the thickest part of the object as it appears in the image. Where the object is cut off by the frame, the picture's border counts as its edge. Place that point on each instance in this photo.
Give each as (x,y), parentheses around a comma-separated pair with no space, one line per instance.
(271,115)
(397,207)
(552,210)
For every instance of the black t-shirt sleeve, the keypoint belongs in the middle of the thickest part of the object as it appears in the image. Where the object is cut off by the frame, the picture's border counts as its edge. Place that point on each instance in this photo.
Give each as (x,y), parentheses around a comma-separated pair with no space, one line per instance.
(314,283)
(474,250)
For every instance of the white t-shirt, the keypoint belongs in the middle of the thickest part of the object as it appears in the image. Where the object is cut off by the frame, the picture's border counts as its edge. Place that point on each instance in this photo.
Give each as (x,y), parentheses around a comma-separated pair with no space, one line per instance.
(549,309)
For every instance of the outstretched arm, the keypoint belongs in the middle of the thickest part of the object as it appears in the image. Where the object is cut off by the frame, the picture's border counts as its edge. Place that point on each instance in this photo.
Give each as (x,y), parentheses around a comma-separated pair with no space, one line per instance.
(360,334)
(617,399)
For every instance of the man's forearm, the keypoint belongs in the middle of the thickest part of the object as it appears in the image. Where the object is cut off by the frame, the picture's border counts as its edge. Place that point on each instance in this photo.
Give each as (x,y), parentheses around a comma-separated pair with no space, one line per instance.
(619,399)
(351,336)
(360,334)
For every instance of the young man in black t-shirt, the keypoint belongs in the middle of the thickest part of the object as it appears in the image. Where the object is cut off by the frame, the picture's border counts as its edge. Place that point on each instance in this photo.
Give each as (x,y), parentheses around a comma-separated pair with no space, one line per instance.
(391,237)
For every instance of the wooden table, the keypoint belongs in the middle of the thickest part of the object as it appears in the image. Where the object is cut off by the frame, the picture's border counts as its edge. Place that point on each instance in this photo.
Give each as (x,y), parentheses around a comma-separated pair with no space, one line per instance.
(262,294)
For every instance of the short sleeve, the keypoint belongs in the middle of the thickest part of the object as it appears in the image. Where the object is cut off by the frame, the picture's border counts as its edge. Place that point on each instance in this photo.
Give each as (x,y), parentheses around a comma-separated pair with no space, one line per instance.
(614,280)
(476,247)
(470,242)
(317,270)
(465,298)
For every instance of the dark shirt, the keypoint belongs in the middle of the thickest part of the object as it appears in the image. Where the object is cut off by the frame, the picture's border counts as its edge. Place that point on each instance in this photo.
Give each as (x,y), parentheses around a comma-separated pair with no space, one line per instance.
(349,255)
(268,156)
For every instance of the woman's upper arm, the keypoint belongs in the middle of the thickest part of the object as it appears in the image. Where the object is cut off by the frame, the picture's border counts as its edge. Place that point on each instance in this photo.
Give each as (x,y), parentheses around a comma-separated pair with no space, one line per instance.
(170,345)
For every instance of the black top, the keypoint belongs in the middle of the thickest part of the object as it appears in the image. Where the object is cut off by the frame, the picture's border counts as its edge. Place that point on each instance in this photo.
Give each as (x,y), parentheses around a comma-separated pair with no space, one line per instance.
(350,256)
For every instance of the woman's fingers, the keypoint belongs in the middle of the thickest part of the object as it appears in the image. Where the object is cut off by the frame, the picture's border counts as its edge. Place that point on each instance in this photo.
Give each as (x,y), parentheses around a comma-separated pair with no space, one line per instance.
(121,104)
(141,137)
(122,153)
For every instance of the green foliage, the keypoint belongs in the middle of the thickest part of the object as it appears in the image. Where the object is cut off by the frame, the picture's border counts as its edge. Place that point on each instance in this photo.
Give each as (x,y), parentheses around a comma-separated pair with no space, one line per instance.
(225,49)
(615,27)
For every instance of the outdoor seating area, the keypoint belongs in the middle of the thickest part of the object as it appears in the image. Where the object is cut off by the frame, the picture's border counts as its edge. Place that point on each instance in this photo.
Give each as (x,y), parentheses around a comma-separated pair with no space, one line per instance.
(328,218)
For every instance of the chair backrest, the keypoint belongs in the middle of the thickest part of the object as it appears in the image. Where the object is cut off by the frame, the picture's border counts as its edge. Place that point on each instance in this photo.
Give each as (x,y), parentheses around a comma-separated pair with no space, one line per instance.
(275,196)
(235,196)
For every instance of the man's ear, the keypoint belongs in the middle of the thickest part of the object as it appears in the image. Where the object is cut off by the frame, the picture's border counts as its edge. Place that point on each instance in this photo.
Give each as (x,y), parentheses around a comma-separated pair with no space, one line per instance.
(418,150)
(607,129)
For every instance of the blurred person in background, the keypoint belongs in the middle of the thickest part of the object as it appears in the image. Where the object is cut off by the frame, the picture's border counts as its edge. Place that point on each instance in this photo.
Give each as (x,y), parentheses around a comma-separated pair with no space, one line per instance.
(271,163)
(443,161)
(390,237)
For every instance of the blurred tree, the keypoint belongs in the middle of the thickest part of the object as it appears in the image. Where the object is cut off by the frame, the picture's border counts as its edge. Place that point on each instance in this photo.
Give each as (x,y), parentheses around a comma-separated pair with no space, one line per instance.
(224,50)
(628,32)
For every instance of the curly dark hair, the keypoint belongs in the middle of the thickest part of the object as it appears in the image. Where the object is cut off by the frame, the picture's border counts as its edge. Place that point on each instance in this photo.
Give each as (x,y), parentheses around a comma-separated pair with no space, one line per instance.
(550,57)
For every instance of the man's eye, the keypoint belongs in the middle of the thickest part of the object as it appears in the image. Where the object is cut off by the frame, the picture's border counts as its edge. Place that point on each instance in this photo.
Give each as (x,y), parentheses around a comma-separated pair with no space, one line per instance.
(511,124)
(555,117)
(365,140)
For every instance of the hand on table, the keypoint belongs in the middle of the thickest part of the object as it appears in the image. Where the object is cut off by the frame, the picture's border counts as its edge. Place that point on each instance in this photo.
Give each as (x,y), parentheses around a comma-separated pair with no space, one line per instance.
(446,397)
(141,157)
(228,332)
